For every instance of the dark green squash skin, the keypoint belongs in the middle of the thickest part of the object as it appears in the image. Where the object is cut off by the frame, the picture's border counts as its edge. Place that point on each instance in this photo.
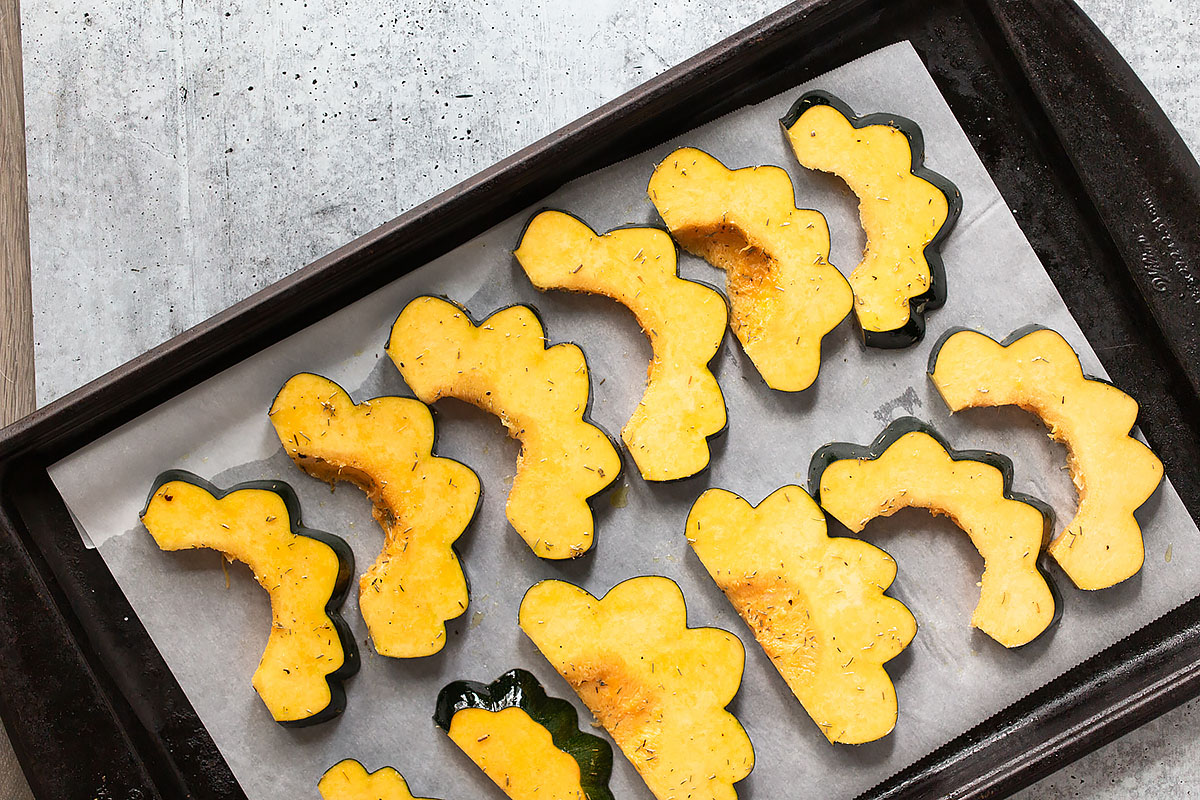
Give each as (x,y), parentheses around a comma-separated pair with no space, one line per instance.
(518,688)
(345,557)
(432,452)
(712,436)
(586,414)
(935,296)
(840,451)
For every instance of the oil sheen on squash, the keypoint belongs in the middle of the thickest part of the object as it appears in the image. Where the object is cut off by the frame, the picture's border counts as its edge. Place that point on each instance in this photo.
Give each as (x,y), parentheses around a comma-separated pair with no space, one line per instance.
(657,686)
(422,502)
(685,321)
(917,470)
(816,604)
(901,212)
(540,394)
(517,754)
(300,573)
(784,294)
(1113,472)
(349,780)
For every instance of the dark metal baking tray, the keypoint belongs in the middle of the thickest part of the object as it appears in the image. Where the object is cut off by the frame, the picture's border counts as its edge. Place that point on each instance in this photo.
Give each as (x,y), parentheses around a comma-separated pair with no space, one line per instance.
(1100,182)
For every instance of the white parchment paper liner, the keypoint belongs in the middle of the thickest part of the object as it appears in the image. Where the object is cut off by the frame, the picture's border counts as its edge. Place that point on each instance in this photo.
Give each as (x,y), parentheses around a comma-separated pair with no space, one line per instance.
(950,678)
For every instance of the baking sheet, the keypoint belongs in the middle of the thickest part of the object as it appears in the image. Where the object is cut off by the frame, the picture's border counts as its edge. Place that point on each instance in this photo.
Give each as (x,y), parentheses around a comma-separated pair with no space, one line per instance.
(950,678)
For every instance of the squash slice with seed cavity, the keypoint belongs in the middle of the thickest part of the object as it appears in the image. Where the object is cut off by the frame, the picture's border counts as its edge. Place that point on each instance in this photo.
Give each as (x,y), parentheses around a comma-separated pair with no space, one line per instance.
(1037,370)
(909,465)
(682,405)
(816,604)
(784,294)
(349,780)
(906,211)
(422,502)
(657,686)
(528,743)
(540,394)
(310,650)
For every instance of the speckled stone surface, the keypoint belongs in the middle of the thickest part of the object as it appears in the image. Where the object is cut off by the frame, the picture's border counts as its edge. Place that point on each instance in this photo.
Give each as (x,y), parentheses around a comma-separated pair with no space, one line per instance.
(182,155)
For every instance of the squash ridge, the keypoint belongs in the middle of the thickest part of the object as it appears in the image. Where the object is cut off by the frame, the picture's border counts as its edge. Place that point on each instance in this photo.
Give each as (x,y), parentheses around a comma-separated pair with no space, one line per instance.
(1037,370)
(349,780)
(784,295)
(519,689)
(659,687)
(980,500)
(814,602)
(934,295)
(423,503)
(211,496)
(682,405)
(541,394)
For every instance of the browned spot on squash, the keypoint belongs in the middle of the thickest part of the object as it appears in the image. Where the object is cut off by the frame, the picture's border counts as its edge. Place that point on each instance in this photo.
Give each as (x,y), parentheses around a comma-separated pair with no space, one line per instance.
(769,605)
(751,275)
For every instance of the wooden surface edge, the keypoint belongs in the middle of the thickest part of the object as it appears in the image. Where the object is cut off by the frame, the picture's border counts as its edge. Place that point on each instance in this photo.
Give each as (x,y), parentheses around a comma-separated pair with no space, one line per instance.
(16,300)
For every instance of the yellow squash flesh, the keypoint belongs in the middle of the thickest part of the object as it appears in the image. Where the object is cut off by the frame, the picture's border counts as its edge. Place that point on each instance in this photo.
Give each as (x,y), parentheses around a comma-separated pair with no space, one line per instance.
(517,753)
(540,394)
(784,294)
(685,322)
(1015,602)
(901,213)
(299,573)
(658,687)
(1113,472)
(349,780)
(422,502)
(815,604)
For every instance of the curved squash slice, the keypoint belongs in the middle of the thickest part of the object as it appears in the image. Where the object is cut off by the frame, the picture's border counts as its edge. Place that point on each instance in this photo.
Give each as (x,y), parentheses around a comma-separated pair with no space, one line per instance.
(540,394)
(910,465)
(657,686)
(349,780)
(682,405)
(310,650)
(1038,371)
(422,502)
(528,743)
(815,604)
(906,210)
(785,296)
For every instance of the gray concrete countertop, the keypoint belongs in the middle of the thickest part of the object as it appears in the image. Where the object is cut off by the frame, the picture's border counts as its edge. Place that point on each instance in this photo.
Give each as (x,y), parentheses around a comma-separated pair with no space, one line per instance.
(182,155)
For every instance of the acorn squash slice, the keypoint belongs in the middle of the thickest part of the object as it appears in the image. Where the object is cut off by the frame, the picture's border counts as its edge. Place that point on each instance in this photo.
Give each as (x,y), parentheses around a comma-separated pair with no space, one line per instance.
(685,321)
(310,649)
(540,394)
(1037,370)
(909,465)
(907,211)
(657,686)
(815,603)
(422,502)
(784,294)
(349,780)
(528,743)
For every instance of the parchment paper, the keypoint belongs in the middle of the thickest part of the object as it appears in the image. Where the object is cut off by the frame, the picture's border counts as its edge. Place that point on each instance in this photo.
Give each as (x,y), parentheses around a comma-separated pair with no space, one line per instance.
(950,678)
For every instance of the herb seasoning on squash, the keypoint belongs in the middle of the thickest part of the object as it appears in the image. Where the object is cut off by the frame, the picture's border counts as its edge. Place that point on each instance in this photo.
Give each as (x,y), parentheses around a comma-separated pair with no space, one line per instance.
(906,210)
(815,603)
(783,292)
(503,366)
(1038,371)
(682,405)
(310,650)
(349,780)
(528,743)
(909,465)
(422,502)
(657,686)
